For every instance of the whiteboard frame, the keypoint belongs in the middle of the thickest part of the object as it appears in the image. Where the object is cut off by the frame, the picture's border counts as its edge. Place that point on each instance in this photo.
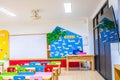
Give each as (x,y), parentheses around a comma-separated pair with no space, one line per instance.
(27,58)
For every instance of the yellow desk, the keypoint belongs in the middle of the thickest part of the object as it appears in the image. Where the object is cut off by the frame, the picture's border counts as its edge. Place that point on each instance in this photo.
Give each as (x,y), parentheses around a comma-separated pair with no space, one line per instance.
(80,58)
(117,72)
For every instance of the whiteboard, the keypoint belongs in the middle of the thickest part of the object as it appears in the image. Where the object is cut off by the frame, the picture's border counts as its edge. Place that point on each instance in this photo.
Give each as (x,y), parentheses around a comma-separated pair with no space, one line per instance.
(28,46)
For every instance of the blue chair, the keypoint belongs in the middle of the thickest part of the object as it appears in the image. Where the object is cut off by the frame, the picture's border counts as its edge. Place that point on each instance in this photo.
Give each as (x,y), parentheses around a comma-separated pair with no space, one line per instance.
(39,68)
(19,77)
(44,63)
(26,73)
(34,63)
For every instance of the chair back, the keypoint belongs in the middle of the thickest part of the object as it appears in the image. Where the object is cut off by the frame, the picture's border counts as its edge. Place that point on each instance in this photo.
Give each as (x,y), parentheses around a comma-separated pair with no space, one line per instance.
(34,63)
(36,78)
(39,68)
(49,68)
(11,69)
(19,77)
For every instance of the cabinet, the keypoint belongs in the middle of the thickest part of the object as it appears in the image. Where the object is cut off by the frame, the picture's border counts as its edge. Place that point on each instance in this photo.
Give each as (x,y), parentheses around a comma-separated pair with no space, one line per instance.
(117,72)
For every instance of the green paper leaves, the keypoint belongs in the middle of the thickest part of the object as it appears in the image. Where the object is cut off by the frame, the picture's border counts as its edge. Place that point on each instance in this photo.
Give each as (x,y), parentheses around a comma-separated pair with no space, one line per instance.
(55,35)
(107,24)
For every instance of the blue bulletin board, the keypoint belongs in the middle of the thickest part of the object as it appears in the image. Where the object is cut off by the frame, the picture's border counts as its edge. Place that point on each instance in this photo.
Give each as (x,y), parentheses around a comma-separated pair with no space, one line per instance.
(65,44)
(108,31)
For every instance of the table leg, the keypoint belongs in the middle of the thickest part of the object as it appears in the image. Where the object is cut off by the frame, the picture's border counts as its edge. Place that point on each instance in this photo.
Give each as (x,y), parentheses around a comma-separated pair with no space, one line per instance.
(92,65)
(67,65)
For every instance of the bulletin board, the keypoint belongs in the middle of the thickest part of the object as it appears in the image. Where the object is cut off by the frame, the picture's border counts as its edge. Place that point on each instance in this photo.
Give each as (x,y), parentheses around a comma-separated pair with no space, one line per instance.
(66,44)
(28,46)
(4,51)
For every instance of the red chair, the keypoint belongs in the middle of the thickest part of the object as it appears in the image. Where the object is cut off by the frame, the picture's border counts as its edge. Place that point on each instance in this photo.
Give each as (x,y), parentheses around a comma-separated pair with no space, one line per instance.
(48,68)
(51,68)
(11,69)
(44,63)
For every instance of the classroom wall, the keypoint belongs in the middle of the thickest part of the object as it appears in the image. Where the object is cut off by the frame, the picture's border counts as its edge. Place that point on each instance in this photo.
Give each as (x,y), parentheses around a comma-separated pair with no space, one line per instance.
(115,49)
(97,8)
(78,26)
(115,56)
(90,36)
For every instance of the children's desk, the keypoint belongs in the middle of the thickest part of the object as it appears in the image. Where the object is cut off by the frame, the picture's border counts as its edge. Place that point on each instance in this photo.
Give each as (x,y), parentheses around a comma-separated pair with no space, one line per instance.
(80,58)
(8,77)
(48,77)
(117,72)
(45,75)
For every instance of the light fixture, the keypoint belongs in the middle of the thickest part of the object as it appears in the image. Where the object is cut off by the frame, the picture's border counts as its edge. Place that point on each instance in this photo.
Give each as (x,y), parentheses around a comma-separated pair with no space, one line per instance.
(67,7)
(5,11)
(35,13)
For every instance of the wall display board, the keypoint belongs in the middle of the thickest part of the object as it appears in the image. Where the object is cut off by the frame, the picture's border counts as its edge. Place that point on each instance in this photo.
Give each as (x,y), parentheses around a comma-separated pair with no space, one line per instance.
(63,42)
(4,45)
(30,46)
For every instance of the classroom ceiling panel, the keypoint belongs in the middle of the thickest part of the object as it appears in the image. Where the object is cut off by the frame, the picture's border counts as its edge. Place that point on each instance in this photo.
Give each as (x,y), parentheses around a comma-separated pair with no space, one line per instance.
(48,9)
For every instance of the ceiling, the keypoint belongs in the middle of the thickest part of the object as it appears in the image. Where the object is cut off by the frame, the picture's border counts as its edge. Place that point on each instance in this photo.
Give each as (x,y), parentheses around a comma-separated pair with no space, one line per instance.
(49,9)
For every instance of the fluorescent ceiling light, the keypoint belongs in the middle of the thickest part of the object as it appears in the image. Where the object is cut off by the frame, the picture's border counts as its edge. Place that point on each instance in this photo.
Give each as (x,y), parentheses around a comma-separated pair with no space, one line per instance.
(67,7)
(5,11)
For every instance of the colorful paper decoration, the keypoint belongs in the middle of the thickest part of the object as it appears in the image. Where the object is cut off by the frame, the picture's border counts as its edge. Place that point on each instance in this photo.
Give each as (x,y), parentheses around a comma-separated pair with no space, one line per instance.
(4,45)
(108,32)
(65,44)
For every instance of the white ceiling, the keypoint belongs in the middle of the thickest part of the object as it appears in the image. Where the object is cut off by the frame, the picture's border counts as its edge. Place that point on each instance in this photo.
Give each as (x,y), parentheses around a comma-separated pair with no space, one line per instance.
(49,9)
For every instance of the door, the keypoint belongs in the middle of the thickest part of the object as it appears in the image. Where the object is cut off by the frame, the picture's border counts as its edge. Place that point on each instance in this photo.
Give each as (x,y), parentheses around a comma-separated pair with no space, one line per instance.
(96,50)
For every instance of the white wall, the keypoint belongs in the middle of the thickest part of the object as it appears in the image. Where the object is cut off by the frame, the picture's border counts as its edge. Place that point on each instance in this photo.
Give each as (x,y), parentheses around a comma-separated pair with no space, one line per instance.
(98,8)
(90,36)
(114,3)
(115,54)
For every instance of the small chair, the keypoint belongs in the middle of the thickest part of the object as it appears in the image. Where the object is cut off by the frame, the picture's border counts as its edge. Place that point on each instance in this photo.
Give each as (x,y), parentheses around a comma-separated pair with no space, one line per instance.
(26,73)
(39,68)
(11,69)
(44,63)
(19,77)
(56,63)
(36,77)
(48,68)
(1,78)
(34,63)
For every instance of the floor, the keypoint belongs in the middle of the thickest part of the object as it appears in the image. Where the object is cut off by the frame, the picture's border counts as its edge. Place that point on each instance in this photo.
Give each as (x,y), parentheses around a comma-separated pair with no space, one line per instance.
(76,74)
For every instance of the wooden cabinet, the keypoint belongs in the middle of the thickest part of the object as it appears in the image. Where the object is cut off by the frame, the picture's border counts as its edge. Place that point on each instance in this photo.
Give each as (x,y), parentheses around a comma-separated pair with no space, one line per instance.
(117,72)
(80,58)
